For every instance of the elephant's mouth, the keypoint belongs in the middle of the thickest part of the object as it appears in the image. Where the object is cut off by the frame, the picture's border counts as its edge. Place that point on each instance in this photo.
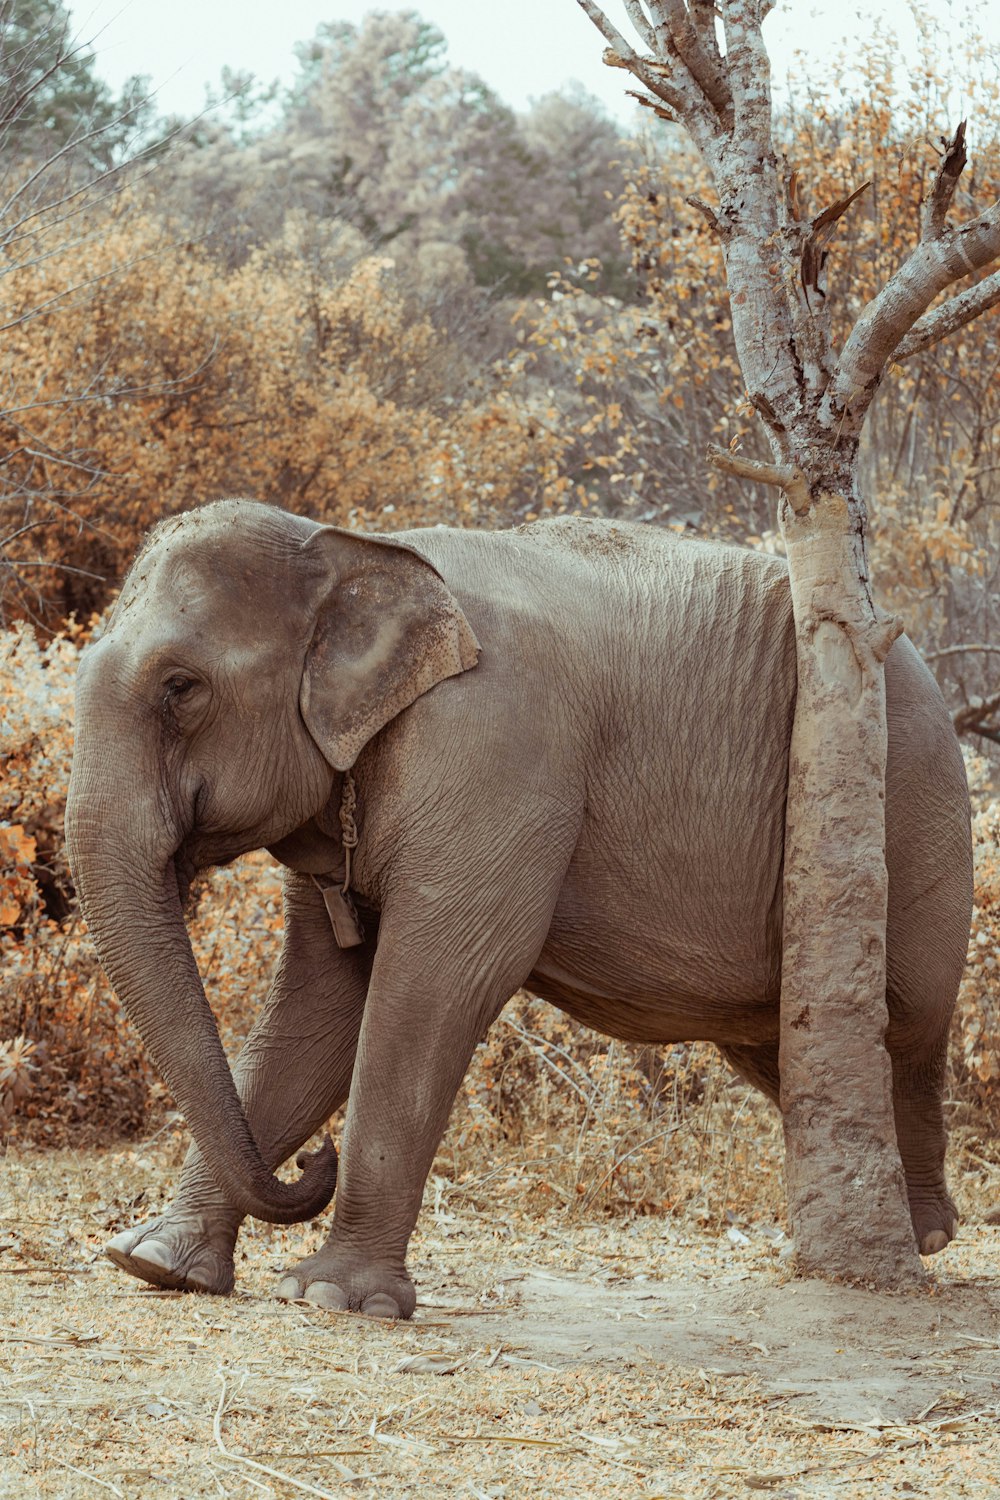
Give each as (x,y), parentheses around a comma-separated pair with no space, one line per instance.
(200,853)
(185,870)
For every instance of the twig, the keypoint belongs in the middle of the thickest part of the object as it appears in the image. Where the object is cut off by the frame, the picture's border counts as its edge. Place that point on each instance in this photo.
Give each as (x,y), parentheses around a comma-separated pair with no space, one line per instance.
(309,1489)
(960,650)
(105,1483)
(660,1134)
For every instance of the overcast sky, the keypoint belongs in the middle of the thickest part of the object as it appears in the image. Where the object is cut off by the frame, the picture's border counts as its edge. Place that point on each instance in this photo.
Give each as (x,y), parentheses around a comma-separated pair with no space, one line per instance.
(522,48)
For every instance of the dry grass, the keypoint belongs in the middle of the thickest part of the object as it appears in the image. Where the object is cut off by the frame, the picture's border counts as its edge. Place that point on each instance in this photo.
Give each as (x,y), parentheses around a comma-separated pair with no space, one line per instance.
(603,1173)
(107,1388)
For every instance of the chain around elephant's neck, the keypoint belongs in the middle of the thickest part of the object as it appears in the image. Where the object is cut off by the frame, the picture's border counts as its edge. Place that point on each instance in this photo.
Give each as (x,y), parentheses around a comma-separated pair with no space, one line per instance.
(348,827)
(347,929)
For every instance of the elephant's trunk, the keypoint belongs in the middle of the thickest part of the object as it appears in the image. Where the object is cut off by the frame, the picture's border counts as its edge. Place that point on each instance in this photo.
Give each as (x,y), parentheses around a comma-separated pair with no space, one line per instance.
(135,918)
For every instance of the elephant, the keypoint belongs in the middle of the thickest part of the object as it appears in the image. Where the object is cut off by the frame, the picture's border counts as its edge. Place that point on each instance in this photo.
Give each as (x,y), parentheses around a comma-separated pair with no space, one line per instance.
(553,756)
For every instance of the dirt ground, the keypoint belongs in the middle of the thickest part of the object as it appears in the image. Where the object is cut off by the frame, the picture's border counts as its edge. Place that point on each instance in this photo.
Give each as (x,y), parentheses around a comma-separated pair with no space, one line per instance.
(550,1356)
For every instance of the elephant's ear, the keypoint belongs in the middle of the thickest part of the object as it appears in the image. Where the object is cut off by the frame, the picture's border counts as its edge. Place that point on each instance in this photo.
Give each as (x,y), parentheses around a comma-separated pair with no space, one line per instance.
(387,629)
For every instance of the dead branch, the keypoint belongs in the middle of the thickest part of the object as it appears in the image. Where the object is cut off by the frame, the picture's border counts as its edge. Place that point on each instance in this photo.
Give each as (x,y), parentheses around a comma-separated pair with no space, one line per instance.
(785,477)
(942,190)
(977,718)
(814,251)
(708,211)
(966,649)
(660,110)
(949,317)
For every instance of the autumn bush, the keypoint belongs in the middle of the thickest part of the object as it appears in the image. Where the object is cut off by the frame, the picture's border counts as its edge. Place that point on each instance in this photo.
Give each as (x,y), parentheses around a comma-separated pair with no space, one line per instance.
(66,1059)
(308,375)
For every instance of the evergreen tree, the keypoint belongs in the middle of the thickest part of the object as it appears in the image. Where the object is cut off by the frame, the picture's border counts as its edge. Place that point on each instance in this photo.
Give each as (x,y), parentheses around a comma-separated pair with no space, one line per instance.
(50,97)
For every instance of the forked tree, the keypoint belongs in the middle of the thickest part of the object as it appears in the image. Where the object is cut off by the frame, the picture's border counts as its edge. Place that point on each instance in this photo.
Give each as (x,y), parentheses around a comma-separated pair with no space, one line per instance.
(704,65)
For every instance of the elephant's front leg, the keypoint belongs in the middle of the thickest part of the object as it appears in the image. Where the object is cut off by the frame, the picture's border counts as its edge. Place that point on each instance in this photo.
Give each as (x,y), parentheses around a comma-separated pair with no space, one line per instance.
(447,962)
(293,1072)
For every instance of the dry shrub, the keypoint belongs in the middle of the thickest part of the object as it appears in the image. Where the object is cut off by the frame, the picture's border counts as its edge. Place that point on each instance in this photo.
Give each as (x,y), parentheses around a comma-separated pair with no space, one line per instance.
(84,1069)
(69,1058)
(311,375)
(554,1112)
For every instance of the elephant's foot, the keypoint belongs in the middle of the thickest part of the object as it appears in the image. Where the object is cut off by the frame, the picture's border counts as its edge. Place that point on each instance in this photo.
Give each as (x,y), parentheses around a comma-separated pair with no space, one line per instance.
(935,1219)
(188,1254)
(334,1279)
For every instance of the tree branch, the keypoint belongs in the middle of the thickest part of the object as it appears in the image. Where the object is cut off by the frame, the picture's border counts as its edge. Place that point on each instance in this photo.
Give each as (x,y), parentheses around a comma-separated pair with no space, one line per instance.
(973,717)
(949,317)
(639,20)
(939,199)
(931,267)
(665,75)
(785,477)
(676,33)
(748,68)
(962,650)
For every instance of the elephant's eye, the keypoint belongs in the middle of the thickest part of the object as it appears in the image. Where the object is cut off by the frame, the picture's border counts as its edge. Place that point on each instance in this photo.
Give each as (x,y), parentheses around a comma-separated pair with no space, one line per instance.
(178,686)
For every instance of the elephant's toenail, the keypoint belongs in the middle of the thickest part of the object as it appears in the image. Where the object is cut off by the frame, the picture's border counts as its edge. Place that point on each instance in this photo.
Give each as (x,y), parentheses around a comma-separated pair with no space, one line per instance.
(154,1253)
(380,1305)
(933,1242)
(326,1294)
(288,1289)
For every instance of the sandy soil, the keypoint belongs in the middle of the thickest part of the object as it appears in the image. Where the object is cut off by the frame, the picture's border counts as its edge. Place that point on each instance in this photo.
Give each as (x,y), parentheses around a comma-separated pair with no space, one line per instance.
(549,1357)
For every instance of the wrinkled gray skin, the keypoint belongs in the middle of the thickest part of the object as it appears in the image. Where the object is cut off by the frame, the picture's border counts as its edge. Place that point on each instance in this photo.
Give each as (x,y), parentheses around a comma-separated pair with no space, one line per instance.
(594,810)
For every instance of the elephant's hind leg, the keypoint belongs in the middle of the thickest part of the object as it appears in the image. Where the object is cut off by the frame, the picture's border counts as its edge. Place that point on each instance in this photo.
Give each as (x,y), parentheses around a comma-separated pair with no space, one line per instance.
(920,1134)
(917,1089)
(293,1072)
(758,1065)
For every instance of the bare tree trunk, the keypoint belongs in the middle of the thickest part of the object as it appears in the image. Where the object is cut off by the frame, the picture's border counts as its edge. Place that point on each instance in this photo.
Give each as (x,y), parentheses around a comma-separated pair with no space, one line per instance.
(846,1189)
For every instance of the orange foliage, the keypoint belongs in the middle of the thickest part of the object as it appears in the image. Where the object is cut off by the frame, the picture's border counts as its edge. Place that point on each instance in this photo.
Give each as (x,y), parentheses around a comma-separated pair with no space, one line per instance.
(82,1064)
(306,376)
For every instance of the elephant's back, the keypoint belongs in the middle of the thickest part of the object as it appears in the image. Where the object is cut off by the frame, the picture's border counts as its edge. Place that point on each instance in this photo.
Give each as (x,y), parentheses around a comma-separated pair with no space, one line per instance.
(627,590)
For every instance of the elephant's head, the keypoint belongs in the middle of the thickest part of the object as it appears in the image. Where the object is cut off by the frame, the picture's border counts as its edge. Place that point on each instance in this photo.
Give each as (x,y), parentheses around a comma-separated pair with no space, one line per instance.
(249,659)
